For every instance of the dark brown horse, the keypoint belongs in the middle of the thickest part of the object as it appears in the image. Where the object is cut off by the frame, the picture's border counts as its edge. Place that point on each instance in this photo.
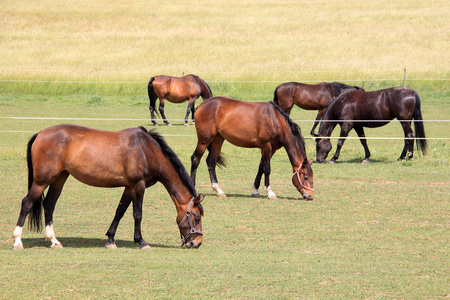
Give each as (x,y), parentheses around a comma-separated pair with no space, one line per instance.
(132,158)
(250,125)
(309,96)
(176,90)
(358,109)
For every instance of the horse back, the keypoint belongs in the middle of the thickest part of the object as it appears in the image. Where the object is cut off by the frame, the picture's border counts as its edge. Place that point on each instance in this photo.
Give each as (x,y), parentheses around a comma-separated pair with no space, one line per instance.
(242,123)
(177,89)
(95,157)
(385,104)
(306,96)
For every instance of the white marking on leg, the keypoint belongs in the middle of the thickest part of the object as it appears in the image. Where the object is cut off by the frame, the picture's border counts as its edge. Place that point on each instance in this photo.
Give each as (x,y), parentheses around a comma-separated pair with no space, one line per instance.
(255,192)
(17,235)
(216,188)
(50,235)
(270,193)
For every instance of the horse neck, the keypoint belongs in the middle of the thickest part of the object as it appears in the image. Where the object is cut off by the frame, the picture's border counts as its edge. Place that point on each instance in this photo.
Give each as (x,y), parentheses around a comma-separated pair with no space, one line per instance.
(206,92)
(295,154)
(326,125)
(176,188)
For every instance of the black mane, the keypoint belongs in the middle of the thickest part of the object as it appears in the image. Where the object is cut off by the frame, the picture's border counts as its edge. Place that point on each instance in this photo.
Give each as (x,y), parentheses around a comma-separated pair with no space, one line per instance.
(295,129)
(339,87)
(173,158)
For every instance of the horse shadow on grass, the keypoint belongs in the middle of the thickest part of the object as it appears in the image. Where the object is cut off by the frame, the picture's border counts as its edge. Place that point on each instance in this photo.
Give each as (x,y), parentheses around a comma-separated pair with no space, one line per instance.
(246,196)
(79,242)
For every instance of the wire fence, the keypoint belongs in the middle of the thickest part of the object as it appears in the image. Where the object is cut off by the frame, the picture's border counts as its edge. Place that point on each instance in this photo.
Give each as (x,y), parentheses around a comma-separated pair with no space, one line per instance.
(223,81)
(182,120)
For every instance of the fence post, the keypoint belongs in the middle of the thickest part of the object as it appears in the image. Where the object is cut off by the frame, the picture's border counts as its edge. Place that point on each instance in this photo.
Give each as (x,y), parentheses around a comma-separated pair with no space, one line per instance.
(404,77)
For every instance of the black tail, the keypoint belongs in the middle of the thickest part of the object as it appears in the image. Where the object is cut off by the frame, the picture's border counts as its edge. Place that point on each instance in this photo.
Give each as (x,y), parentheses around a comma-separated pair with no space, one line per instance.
(152,95)
(275,97)
(220,159)
(35,219)
(422,143)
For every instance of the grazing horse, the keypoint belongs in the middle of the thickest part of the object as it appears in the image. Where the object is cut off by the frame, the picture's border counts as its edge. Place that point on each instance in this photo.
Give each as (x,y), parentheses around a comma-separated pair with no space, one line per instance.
(309,96)
(132,158)
(250,125)
(358,109)
(176,90)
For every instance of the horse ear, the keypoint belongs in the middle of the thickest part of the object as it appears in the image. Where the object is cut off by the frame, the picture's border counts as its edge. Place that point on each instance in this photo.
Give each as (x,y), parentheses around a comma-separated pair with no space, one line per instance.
(199,198)
(305,162)
(310,161)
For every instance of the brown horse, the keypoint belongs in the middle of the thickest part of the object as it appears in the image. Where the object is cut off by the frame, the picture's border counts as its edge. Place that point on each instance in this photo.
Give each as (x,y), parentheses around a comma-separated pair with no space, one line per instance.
(358,109)
(132,158)
(309,96)
(250,125)
(176,90)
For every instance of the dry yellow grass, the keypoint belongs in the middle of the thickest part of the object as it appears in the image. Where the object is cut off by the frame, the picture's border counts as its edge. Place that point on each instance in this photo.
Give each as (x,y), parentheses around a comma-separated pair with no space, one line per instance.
(261,40)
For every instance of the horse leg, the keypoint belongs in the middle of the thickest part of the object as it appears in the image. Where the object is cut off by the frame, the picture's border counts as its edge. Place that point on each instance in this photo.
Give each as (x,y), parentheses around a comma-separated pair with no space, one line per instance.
(53,194)
(362,138)
(195,159)
(162,103)
(317,120)
(211,162)
(33,196)
(120,211)
(152,114)
(257,181)
(408,149)
(190,108)
(345,129)
(193,111)
(138,199)
(264,167)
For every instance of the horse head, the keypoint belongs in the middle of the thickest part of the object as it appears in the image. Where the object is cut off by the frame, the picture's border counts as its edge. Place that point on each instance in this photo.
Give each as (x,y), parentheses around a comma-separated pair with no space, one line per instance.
(190,223)
(323,147)
(303,179)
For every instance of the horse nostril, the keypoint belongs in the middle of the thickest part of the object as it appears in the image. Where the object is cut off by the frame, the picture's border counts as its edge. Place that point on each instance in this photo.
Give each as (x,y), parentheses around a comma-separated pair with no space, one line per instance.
(199,244)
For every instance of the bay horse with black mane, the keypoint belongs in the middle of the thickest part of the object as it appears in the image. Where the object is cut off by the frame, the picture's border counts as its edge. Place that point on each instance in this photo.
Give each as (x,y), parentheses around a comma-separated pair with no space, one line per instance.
(358,109)
(309,96)
(176,90)
(132,158)
(250,125)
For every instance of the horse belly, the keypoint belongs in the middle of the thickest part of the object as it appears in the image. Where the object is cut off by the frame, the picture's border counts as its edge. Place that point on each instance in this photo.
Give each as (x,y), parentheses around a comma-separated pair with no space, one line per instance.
(98,168)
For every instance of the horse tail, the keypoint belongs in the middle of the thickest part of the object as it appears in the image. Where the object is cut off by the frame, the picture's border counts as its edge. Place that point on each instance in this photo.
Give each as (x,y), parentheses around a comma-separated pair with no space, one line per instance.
(208,89)
(275,96)
(152,94)
(221,162)
(418,126)
(35,219)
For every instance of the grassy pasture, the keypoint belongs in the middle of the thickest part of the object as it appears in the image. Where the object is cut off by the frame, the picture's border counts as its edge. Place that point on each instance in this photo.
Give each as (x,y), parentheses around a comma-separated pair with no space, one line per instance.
(373,231)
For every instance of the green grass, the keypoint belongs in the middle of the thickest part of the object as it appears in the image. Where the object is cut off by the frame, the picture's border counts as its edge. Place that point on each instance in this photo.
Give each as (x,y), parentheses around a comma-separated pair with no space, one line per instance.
(373,231)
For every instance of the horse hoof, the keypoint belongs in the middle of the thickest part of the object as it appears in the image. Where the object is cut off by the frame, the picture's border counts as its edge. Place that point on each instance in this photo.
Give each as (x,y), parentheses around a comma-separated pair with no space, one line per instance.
(186,124)
(18,247)
(145,247)
(169,124)
(332,162)
(110,246)
(56,246)
(221,195)
(273,197)
(365,161)
(256,195)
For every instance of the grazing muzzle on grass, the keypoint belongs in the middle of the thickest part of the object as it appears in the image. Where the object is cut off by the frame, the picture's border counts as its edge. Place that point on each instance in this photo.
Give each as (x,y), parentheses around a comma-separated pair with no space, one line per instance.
(191,224)
(323,147)
(303,180)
